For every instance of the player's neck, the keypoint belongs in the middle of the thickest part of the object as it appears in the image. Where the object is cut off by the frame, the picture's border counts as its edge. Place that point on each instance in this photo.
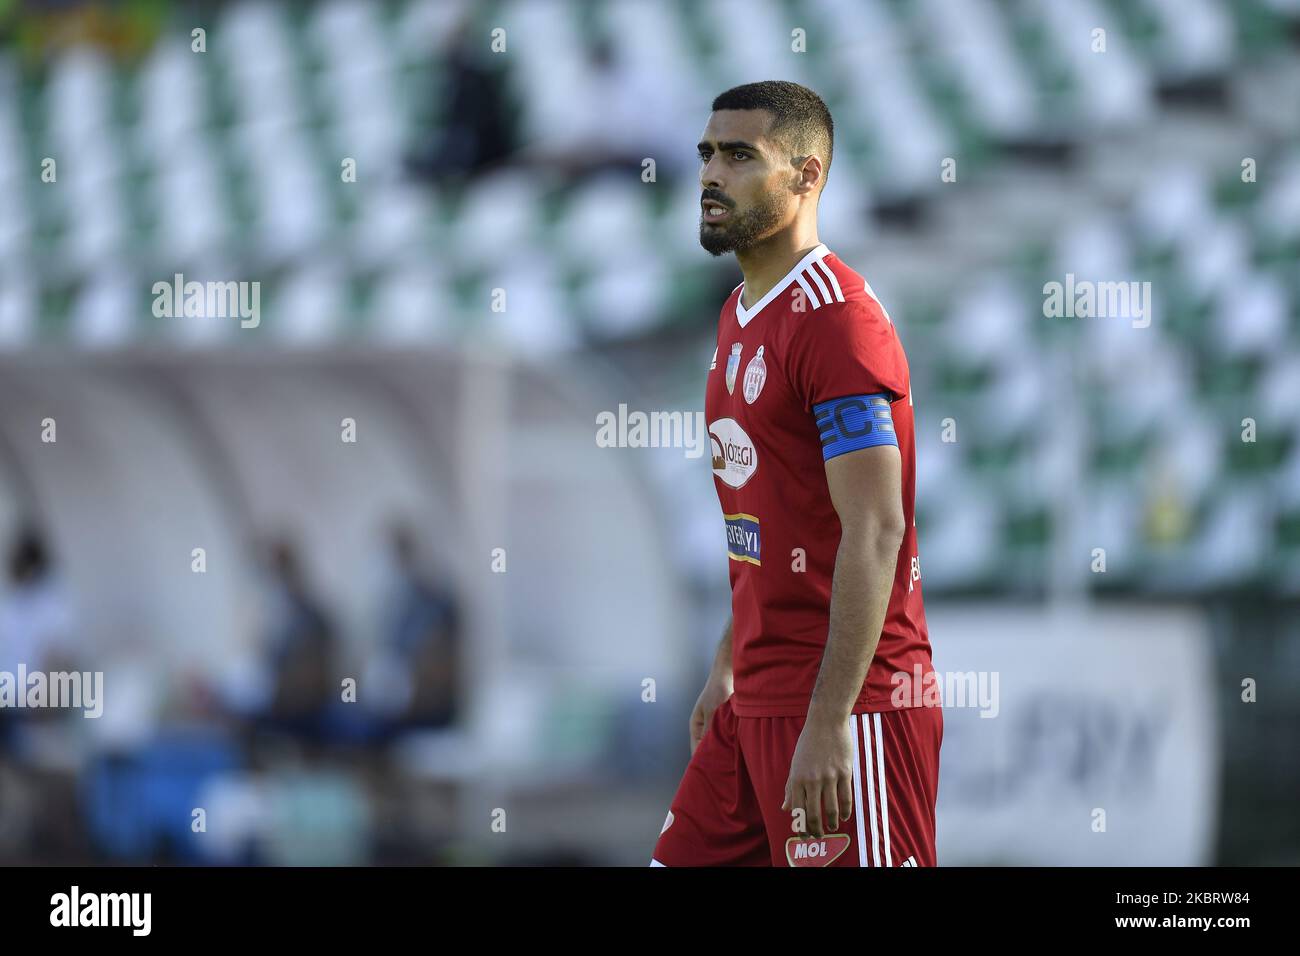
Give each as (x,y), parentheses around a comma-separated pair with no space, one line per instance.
(766,264)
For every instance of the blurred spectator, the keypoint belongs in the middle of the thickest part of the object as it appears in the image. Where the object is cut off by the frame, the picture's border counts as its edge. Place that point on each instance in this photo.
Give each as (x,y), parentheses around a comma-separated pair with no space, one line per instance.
(302,649)
(36,616)
(421,650)
(36,621)
(36,630)
(475,131)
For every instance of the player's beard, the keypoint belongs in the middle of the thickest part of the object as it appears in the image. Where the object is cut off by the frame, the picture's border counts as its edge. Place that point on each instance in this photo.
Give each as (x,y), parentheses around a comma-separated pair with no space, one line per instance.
(741,231)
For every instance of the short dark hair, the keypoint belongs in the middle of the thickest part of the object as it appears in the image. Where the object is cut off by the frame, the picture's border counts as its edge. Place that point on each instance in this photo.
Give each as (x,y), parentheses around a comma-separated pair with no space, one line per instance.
(801,119)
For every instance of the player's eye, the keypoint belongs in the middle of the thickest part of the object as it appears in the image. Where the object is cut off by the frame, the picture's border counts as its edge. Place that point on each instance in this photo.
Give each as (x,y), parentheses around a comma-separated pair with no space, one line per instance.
(740,154)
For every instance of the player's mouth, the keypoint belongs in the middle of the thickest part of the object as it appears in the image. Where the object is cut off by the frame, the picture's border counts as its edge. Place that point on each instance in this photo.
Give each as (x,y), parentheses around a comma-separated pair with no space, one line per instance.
(714,212)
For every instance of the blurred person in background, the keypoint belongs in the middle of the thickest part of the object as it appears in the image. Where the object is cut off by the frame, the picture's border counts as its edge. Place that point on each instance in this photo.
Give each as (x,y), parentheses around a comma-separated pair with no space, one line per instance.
(37,631)
(302,649)
(474,133)
(36,620)
(422,636)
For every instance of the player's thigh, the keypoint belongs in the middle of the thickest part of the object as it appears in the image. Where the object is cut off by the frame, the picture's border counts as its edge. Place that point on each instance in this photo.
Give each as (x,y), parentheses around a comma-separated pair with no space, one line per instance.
(769,744)
(714,818)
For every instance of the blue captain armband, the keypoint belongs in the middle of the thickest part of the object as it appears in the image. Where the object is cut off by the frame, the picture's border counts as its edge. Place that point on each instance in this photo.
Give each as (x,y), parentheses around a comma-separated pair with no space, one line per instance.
(853,422)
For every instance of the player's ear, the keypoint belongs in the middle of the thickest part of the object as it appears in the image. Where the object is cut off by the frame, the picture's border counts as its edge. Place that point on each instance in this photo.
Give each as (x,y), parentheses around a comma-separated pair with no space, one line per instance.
(810,174)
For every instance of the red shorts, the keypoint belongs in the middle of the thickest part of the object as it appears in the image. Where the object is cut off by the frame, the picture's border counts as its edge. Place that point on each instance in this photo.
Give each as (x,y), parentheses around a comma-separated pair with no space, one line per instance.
(727,811)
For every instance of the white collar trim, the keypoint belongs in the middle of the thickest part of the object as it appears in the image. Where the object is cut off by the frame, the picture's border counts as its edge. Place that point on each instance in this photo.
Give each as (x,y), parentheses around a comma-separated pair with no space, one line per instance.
(744,315)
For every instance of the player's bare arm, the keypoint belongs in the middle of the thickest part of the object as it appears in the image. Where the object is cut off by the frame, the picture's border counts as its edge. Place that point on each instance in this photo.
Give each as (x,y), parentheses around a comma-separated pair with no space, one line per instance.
(716,689)
(865,489)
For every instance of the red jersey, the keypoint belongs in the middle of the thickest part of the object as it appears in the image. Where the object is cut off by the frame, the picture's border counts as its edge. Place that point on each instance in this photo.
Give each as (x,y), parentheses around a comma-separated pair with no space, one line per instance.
(819,335)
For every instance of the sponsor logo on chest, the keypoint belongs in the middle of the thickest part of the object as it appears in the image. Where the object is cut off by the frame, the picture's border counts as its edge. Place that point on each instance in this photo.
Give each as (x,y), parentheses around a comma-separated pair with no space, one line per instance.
(735,459)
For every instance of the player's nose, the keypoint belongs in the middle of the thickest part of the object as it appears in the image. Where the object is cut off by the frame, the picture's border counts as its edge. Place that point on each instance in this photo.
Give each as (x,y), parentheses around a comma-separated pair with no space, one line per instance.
(708,178)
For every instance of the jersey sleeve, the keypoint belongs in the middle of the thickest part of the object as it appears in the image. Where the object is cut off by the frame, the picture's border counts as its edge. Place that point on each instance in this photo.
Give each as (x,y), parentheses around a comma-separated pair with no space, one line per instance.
(845,349)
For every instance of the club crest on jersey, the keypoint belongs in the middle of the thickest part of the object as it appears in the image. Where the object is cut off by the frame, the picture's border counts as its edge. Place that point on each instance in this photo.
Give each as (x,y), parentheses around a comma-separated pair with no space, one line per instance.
(755,376)
(733,366)
(800,851)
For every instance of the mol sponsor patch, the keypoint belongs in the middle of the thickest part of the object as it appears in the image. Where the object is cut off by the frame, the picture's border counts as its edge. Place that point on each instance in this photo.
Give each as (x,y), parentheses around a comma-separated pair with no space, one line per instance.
(800,851)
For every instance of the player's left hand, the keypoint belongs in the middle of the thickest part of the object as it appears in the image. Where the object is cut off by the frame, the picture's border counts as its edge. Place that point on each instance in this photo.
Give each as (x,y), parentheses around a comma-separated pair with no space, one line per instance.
(821,774)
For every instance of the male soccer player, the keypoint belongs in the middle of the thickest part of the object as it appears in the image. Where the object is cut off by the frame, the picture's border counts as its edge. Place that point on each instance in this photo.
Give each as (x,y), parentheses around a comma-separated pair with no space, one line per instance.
(806,751)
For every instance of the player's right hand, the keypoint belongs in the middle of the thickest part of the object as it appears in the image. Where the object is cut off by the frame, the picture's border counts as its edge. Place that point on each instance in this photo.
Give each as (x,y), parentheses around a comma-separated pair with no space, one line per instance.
(715,692)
